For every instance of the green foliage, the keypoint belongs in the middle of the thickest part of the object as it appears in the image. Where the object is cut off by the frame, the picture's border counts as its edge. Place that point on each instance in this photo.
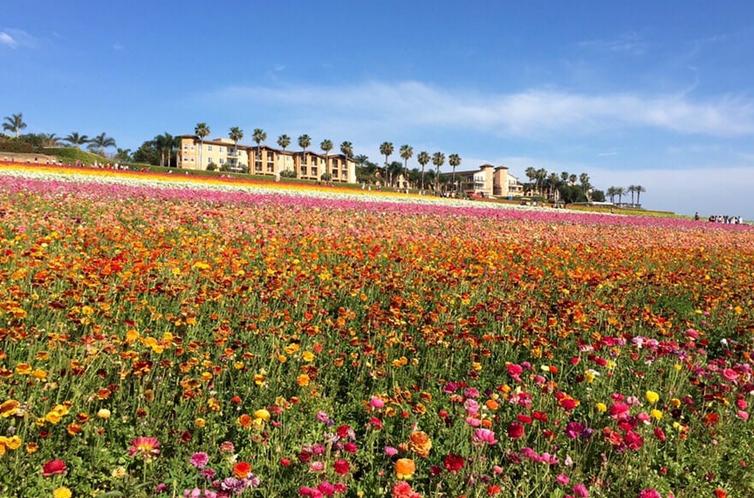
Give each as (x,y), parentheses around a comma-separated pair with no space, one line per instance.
(71,155)
(211,167)
(288,173)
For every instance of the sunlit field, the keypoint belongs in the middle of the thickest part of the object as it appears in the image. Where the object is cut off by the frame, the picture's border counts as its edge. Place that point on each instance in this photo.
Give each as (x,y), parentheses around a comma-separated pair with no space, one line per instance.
(166,339)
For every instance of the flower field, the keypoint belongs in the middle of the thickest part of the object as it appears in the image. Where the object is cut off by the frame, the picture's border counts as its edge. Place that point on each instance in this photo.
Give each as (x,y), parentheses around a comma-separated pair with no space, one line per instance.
(212,339)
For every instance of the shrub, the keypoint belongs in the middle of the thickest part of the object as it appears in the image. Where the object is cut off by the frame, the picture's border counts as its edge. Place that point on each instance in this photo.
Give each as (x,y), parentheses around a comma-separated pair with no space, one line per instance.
(288,173)
(212,167)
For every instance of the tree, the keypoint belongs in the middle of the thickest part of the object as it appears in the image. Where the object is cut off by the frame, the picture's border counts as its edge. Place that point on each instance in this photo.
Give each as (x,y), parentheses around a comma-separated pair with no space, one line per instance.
(631,190)
(236,134)
(639,191)
(259,136)
(77,140)
(326,146)
(454,160)
(620,192)
(346,148)
(553,183)
(123,155)
(101,142)
(14,123)
(50,140)
(438,158)
(423,159)
(598,196)
(564,176)
(406,152)
(284,141)
(386,149)
(164,143)
(147,153)
(304,141)
(202,131)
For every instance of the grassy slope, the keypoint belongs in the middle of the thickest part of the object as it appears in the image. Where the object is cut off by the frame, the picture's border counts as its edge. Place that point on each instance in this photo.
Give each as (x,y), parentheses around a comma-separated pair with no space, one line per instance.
(72,154)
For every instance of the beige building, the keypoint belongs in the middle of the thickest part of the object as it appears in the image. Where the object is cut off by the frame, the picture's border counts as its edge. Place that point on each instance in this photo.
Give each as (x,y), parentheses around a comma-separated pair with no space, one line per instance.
(263,160)
(488,181)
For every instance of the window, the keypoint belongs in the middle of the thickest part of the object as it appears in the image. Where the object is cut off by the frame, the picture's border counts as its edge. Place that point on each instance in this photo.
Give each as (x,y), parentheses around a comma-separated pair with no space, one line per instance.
(303,170)
(222,161)
(209,147)
(314,171)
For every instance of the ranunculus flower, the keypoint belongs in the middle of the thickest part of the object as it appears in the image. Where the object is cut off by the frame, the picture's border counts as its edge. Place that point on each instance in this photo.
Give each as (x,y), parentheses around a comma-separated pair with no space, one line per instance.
(404,468)
(199,459)
(54,467)
(484,436)
(515,430)
(453,462)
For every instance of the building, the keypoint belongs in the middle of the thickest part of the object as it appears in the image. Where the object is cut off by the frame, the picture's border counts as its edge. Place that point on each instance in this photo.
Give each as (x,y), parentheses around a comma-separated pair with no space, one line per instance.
(487,181)
(263,160)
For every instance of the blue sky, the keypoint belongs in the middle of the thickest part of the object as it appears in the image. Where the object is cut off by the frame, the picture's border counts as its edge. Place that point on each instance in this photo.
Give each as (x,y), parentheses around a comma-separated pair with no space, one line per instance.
(655,93)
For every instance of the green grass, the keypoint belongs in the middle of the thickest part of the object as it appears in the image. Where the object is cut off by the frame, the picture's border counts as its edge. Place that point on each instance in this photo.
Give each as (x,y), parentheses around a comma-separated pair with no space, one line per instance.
(72,154)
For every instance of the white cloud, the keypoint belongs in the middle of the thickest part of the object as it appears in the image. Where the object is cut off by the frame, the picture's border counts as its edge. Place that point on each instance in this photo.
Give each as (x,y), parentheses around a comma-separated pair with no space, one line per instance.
(413,104)
(7,40)
(630,43)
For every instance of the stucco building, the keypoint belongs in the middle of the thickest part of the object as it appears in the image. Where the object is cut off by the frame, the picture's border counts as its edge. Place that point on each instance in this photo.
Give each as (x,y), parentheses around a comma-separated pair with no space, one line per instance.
(263,160)
(488,181)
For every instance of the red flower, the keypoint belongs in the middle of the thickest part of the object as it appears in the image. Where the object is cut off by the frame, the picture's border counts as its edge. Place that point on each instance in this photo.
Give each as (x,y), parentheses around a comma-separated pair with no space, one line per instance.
(515,430)
(241,470)
(720,493)
(453,463)
(54,467)
(341,466)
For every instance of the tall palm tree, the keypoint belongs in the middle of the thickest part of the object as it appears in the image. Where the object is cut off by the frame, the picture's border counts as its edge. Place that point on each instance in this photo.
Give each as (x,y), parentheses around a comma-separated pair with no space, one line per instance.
(406,152)
(346,148)
(123,155)
(631,190)
(284,141)
(304,141)
(164,143)
(572,179)
(202,131)
(259,136)
(50,140)
(235,134)
(553,182)
(77,140)
(386,149)
(326,146)
(639,190)
(423,159)
(14,123)
(438,158)
(620,192)
(454,160)
(101,142)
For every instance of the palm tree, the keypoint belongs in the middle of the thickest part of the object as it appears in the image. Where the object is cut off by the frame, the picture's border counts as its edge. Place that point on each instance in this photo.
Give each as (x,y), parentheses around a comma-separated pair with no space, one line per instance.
(423,159)
(163,143)
(564,176)
(326,146)
(631,189)
(284,141)
(611,193)
(50,140)
(14,123)
(259,136)
(101,142)
(123,155)
(346,148)
(406,152)
(304,141)
(572,179)
(235,134)
(553,182)
(438,158)
(454,160)
(620,192)
(639,190)
(386,149)
(201,130)
(75,139)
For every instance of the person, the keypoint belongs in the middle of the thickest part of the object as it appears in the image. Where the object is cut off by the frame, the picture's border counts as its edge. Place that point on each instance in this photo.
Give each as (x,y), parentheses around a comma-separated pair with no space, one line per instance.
(696,216)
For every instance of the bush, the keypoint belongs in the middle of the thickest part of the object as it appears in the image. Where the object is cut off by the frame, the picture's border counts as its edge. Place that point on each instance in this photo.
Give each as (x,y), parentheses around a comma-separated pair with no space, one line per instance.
(13,145)
(326,177)
(288,173)
(212,167)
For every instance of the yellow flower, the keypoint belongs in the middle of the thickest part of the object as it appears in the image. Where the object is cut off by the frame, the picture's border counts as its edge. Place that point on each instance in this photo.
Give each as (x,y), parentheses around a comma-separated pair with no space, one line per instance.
(103,413)
(652,397)
(590,375)
(9,408)
(199,423)
(601,407)
(308,356)
(118,472)
(404,468)
(62,492)
(656,414)
(262,414)
(675,402)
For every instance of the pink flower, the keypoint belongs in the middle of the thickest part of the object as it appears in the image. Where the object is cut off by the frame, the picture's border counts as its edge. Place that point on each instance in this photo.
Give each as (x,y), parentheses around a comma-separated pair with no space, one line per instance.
(199,459)
(730,374)
(580,491)
(649,493)
(376,402)
(390,451)
(484,436)
(562,479)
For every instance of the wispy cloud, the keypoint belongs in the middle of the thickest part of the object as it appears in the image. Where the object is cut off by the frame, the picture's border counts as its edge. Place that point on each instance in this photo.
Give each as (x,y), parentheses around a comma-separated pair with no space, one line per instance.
(15,38)
(529,112)
(629,43)
(7,40)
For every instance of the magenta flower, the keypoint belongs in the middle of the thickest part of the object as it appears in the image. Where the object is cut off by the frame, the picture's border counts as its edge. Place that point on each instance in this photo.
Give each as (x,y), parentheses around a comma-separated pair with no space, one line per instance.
(199,459)
(484,436)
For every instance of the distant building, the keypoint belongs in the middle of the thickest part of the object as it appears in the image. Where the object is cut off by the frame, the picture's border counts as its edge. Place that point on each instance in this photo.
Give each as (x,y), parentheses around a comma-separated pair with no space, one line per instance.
(487,181)
(263,160)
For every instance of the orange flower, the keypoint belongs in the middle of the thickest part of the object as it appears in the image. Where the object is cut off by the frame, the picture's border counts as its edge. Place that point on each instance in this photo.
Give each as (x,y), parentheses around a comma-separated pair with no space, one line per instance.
(241,470)
(404,468)
(420,443)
